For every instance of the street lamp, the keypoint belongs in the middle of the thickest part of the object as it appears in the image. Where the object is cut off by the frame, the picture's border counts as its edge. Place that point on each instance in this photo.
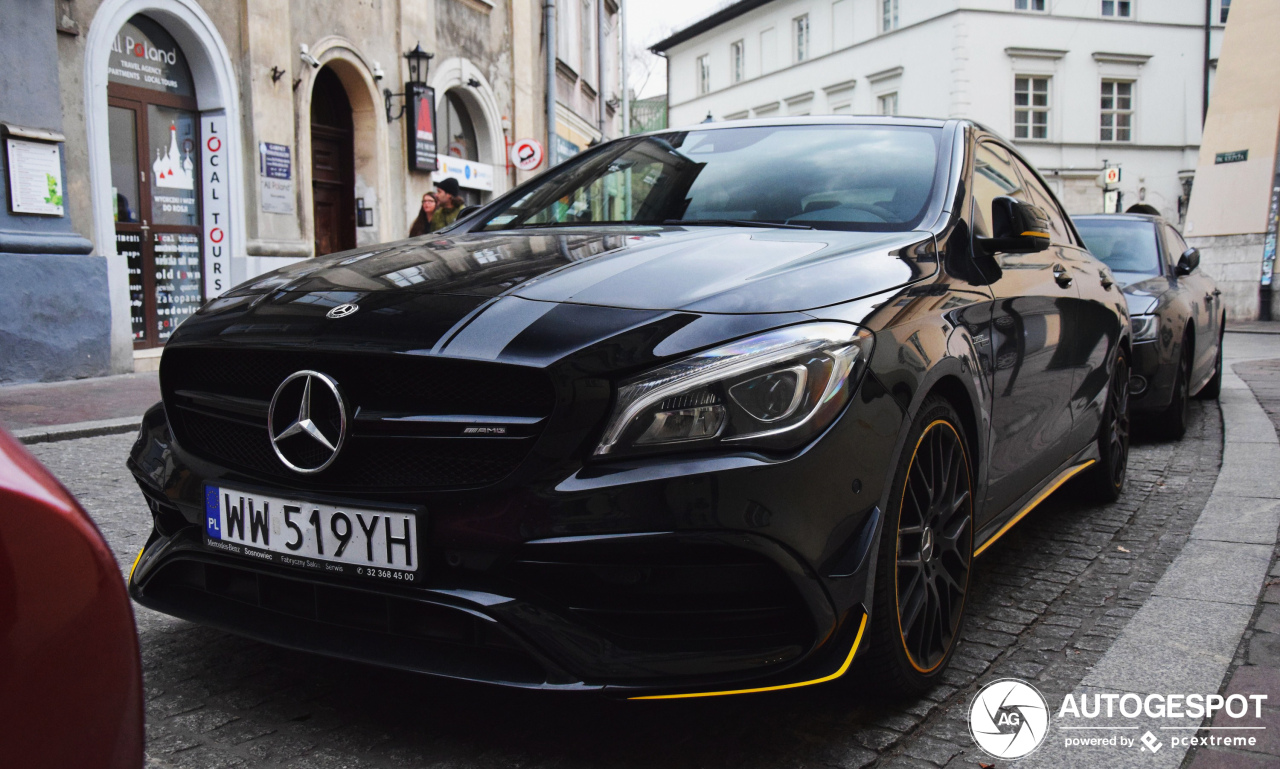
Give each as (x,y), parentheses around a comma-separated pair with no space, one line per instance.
(419,64)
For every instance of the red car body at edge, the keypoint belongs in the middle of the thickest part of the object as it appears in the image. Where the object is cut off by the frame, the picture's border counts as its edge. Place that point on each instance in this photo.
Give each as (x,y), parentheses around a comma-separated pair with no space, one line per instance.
(70,674)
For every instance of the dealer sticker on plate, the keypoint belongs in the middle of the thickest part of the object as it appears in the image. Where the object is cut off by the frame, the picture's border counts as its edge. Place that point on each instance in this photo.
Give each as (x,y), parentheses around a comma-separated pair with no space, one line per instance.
(323,536)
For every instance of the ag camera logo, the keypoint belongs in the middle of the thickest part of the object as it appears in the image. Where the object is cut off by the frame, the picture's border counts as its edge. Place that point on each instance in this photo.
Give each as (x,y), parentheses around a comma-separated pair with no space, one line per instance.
(1008,718)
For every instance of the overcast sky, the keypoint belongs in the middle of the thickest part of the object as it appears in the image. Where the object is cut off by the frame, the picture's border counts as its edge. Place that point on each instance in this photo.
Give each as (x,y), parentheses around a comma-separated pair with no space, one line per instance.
(649,21)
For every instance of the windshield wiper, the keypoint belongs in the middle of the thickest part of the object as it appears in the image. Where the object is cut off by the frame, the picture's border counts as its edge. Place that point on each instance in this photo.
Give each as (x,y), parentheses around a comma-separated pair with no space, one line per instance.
(736,223)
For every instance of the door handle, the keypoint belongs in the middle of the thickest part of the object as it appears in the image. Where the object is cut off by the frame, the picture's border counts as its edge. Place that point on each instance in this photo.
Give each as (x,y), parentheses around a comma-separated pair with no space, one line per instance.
(1061,276)
(1208,298)
(1105,279)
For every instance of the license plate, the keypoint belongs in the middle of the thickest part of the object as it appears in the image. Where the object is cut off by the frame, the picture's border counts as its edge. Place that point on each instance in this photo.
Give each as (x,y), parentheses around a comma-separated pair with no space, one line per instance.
(317,535)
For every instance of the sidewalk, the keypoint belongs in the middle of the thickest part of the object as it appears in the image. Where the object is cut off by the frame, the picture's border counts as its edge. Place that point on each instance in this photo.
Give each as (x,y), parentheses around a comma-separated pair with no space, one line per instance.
(79,408)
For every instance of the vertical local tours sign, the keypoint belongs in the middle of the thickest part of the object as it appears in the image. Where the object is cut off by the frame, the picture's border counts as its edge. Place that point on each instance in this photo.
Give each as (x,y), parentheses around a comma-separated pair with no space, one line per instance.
(216,210)
(421,126)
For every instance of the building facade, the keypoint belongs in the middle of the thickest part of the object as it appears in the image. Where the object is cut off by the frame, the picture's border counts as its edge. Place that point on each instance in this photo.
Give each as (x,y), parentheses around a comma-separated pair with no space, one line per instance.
(1078,85)
(587,84)
(204,143)
(1235,205)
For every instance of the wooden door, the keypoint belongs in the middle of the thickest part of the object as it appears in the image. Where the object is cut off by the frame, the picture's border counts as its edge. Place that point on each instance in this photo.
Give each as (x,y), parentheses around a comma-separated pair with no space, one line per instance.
(332,166)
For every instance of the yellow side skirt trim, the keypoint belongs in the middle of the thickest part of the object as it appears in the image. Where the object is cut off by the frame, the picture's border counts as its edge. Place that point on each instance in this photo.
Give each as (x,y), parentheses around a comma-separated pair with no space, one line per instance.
(136,558)
(847,661)
(1063,478)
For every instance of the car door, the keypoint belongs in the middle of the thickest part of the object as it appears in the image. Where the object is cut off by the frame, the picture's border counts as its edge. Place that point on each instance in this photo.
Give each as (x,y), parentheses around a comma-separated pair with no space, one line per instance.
(1031,384)
(1089,318)
(1203,297)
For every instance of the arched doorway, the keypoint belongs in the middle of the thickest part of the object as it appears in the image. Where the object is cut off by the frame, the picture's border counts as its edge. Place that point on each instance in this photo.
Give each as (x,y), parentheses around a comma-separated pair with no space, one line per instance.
(458,133)
(332,165)
(154,144)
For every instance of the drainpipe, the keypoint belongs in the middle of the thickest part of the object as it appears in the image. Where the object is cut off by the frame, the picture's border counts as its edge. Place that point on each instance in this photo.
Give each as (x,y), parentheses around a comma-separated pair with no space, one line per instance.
(622,68)
(549,35)
(1208,28)
(601,80)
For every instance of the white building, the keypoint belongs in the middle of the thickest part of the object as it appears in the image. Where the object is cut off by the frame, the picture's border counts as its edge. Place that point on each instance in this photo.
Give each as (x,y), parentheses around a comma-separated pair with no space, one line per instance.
(1074,83)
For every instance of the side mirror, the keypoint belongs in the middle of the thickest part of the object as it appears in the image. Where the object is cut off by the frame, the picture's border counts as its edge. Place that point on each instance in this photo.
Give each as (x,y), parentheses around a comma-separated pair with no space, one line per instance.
(1188,262)
(1017,228)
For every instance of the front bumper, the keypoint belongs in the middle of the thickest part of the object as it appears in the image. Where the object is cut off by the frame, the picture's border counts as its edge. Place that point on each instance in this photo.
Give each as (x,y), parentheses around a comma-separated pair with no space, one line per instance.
(657,578)
(1159,368)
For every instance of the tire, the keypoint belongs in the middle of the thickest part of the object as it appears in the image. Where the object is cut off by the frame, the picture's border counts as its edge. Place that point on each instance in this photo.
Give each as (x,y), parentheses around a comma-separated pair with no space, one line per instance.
(1213,388)
(926,552)
(1105,481)
(1171,424)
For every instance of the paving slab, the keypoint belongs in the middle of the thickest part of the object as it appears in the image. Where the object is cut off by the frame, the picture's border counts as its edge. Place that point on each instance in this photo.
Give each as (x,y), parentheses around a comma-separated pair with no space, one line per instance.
(1223,572)
(1173,645)
(1239,519)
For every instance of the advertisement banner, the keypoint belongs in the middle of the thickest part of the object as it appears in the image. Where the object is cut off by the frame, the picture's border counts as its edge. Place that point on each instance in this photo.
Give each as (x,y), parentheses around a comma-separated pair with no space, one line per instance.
(420,122)
(217,220)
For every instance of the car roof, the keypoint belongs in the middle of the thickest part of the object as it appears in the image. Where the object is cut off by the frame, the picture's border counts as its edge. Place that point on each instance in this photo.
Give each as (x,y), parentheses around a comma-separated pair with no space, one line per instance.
(915,122)
(1122,217)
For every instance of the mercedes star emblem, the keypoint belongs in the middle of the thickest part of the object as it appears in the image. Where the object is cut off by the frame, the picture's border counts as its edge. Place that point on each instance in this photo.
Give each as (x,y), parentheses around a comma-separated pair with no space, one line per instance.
(343,310)
(301,441)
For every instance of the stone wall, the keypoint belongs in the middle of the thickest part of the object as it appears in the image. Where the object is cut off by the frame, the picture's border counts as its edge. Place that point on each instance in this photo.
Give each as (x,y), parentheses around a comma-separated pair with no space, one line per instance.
(1235,262)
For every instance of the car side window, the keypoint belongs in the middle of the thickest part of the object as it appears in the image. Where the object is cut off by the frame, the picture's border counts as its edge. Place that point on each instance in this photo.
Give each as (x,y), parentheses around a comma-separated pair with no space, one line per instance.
(1040,196)
(994,175)
(1174,248)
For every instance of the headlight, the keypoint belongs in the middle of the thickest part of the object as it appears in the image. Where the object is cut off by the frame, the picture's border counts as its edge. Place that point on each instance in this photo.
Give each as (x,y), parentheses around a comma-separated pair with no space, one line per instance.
(776,390)
(1145,327)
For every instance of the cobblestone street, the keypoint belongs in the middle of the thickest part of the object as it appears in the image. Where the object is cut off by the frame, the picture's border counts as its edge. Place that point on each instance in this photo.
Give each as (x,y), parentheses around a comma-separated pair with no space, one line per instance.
(1049,600)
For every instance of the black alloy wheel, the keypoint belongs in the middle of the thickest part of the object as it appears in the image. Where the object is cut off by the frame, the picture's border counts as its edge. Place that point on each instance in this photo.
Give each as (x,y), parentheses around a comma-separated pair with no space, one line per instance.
(1105,481)
(926,554)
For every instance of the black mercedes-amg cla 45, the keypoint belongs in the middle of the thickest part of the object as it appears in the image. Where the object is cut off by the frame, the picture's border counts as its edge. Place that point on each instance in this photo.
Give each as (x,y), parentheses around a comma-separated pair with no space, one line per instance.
(709,411)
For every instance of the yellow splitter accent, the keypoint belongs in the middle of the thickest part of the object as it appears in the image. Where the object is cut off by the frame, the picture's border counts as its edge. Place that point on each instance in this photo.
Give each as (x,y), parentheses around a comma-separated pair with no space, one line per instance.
(847,661)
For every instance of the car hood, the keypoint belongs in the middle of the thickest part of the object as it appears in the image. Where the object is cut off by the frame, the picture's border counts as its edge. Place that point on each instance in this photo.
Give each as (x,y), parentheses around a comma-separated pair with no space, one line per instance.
(695,269)
(536,298)
(1144,294)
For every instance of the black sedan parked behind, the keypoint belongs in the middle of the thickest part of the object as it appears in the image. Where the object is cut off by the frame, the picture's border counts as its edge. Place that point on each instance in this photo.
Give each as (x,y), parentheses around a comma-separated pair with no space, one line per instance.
(1175,309)
(707,411)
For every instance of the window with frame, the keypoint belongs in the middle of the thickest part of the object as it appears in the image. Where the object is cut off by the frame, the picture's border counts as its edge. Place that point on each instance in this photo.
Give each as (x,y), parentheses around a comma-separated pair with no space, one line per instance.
(800,32)
(1031,107)
(888,15)
(1029,5)
(737,60)
(1224,8)
(887,103)
(1117,111)
(1117,8)
(704,74)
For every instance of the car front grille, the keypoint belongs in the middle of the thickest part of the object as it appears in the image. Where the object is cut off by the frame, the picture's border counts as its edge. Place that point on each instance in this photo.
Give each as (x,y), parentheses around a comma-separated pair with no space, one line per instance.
(667,596)
(400,409)
(396,630)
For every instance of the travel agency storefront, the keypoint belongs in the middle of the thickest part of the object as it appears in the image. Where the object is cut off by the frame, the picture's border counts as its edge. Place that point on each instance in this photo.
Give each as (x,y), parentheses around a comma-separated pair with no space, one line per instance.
(185,166)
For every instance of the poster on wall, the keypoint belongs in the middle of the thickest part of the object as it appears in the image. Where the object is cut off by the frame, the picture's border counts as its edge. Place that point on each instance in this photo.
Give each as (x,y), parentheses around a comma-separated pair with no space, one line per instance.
(217,221)
(275,169)
(421,125)
(35,177)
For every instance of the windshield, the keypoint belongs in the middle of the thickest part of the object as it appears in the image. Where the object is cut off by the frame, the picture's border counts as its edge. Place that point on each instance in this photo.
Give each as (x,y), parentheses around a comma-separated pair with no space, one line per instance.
(848,177)
(1126,245)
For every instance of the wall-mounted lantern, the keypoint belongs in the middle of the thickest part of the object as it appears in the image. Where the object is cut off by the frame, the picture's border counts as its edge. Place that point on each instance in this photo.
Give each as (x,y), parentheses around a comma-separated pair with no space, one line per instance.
(419,65)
